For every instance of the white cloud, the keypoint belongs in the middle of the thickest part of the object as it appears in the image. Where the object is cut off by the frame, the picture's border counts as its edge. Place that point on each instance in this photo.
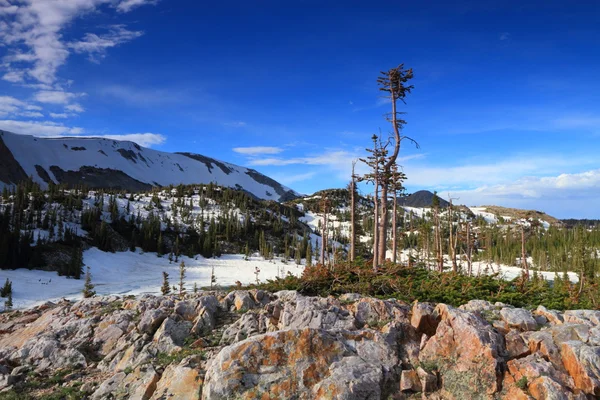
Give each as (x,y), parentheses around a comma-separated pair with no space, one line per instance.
(38,128)
(56,96)
(59,115)
(143,139)
(12,106)
(13,76)
(289,179)
(473,174)
(257,150)
(235,124)
(144,97)
(55,129)
(333,161)
(76,108)
(33,33)
(31,114)
(128,5)
(97,45)
(564,195)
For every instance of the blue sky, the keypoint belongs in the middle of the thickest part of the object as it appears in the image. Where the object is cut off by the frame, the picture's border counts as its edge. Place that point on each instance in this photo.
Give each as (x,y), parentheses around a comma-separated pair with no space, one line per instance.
(505,106)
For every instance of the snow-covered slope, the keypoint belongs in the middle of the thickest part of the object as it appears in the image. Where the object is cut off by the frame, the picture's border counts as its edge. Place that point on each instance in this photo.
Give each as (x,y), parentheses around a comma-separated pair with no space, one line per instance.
(121,164)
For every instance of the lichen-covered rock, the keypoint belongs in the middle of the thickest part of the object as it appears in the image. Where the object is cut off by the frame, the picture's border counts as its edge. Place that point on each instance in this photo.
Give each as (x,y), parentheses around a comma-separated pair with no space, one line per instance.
(583,364)
(304,364)
(239,300)
(554,317)
(250,324)
(409,381)
(587,317)
(171,335)
(181,382)
(315,312)
(542,343)
(372,312)
(151,320)
(423,318)
(467,353)
(515,345)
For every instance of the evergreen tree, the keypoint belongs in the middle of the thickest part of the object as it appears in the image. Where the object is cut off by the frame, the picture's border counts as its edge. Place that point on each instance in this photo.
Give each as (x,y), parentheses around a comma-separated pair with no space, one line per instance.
(6,290)
(88,287)
(8,304)
(165,288)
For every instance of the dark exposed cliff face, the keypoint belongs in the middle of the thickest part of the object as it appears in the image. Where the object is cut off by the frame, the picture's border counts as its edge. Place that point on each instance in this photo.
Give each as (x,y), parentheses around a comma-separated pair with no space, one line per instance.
(95,178)
(10,169)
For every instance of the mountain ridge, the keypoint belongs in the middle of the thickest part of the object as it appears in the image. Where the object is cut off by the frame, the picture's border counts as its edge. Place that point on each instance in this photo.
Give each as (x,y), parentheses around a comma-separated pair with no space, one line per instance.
(109,163)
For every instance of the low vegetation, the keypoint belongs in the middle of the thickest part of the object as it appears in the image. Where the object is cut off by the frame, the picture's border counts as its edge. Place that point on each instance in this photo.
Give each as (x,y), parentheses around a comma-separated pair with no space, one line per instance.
(419,283)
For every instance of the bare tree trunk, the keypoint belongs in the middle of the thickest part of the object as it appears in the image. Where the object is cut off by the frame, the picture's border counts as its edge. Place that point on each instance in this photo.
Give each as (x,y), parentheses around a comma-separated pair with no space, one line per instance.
(326,237)
(469,261)
(438,241)
(383,223)
(453,238)
(352,215)
(323,243)
(523,255)
(376,226)
(394,228)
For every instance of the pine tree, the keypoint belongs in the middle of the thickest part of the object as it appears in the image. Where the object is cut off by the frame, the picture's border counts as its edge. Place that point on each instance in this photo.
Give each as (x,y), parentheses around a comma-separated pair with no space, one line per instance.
(165,288)
(309,255)
(181,279)
(88,287)
(6,290)
(8,304)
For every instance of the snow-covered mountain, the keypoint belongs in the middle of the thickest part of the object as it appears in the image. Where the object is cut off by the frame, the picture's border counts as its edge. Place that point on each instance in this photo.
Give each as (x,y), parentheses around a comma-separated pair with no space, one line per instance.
(105,163)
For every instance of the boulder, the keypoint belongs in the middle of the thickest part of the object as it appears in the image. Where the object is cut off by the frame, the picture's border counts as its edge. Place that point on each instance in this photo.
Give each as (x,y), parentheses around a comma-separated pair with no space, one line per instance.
(315,312)
(181,382)
(467,353)
(423,318)
(303,363)
(583,364)
(239,300)
(375,313)
(409,381)
(151,320)
(171,335)
(518,318)
(109,389)
(553,317)
(250,324)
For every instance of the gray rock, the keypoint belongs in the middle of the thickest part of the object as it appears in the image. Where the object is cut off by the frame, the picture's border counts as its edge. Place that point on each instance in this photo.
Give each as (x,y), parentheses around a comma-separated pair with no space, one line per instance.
(518,318)
(171,335)
(250,324)
(151,320)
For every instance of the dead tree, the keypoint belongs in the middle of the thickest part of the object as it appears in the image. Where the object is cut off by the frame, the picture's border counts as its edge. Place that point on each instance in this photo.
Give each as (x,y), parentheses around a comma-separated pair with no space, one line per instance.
(437,232)
(375,162)
(324,205)
(453,237)
(397,188)
(394,83)
(352,190)
(523,253)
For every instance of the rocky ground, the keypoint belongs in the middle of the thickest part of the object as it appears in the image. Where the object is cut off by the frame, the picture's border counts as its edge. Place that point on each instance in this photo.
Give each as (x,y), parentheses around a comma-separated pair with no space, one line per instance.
(258,345)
